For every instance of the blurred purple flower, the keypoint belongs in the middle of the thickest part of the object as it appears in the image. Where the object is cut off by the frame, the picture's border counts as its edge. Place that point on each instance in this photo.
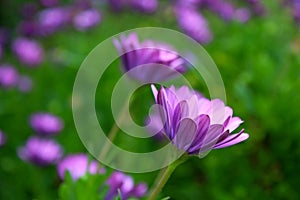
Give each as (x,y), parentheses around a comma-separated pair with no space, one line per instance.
(223,8)
(86,19)
(40,151)
(52,19)
(193,24)
(8,76)
(24,83)
(242,14)
(148,52)
(195,124)
(28,51)
(29,28)
(2,138)
(46,123)
(78,165)
(49,3)
(118,181)
(147,6)
(118,5)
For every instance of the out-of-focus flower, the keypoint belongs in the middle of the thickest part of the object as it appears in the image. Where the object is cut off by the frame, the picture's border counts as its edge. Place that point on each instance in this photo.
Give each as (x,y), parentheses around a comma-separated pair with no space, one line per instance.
(148,52)
(49,3)
(78,165)
(195,124)
(222,8)
(118,181)
(28,51)
(147,6)
(40,151)
(193,24)
(242,14)
(86,19)
(29,28)
(8,76)
(118,5)
(52,19)
(24,83)
(2,138)
(46,123)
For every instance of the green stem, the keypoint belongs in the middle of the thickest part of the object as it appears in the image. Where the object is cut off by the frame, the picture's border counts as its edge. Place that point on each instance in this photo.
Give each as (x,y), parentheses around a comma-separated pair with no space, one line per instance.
(163,177)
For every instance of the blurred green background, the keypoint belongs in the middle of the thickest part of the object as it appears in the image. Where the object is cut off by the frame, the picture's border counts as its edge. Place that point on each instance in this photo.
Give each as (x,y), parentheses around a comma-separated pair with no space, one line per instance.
(260,65)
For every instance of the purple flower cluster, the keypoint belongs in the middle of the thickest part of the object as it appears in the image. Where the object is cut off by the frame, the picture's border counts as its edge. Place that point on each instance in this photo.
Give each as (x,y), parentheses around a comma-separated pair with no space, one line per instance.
(118,181)
(2,138)
(77,165)
(40,151)
(193,23)
(10,78)
(145,6)
(193,123)
(28,51)
(135,54)
(86,19)
(46,123)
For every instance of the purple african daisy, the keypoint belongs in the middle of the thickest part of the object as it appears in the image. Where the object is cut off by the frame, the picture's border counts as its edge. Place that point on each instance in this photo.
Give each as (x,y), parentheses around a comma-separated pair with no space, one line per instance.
(77,165)
(118,181)
(46,123)
(193,23)
(8,76)
(40,151)
(222,8)
(2,138)
(195,124)
(86,19)
(146,6)
(165,62)
(28,51)
(52,19)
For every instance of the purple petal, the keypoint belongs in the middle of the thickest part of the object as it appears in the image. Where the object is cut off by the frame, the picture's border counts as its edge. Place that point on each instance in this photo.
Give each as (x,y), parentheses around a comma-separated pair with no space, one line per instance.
(240,138)
(185,134)
(203,125)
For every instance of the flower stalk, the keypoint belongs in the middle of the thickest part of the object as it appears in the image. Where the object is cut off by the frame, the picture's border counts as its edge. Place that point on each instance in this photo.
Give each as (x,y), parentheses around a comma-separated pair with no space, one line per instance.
(164,176)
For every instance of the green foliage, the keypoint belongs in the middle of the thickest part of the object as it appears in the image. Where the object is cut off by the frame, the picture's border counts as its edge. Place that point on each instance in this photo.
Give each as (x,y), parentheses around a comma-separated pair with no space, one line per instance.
(88,187)
(260,66)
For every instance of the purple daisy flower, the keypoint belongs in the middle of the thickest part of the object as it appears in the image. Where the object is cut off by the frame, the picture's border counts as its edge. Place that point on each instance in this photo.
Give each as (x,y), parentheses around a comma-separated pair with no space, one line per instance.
(195,124)
(193,24)
(165,62)
(46,123)
(52,19)
(29,28)
(8,76)
(146,6)
(78,165)
(222,8)
(118,181)
(86,19)
(28,51)
(40,151)
(2,138)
